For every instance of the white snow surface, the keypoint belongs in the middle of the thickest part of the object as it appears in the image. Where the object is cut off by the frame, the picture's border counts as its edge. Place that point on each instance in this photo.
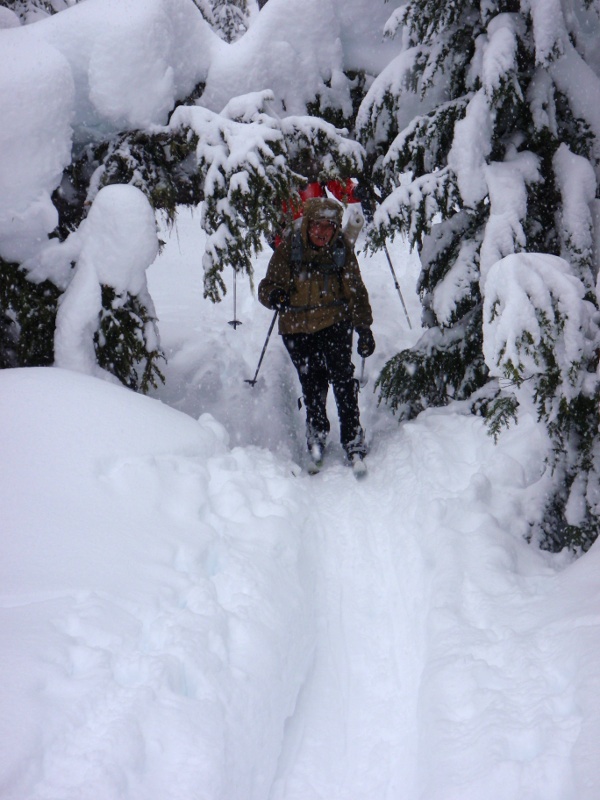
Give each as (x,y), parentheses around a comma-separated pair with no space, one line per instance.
(520,290)
(507,185)
(130,59)
(499,53)
(97,68)
(31,161)
(313,38)
(471,147)
(577,184)
(185,613)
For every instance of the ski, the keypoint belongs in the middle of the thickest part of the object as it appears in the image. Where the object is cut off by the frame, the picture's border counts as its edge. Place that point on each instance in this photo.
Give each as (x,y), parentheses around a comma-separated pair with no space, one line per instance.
(314,467)
(359,469)
(357,465)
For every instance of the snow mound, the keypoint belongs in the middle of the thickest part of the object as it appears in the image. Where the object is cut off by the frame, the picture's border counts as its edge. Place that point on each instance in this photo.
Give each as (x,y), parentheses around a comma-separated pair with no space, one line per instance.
(150,594)
(36,96)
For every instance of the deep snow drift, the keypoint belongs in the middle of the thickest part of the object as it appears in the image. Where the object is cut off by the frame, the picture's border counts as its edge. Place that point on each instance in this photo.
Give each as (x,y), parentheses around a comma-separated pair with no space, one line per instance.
(107,66)
(186,614)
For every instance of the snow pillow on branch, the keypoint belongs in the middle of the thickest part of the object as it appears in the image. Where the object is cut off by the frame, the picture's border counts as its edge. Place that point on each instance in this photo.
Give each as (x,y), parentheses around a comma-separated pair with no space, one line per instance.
(577,184)
(107,301)
(508,183)
(538,327)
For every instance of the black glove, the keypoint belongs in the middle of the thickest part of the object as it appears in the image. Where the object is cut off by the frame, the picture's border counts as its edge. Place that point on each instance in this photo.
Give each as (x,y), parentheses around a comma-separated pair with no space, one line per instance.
(279,299)
(366,342)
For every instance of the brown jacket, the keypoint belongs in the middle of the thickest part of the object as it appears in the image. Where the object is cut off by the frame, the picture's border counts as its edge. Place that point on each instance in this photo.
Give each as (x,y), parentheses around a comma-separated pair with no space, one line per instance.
(320,294)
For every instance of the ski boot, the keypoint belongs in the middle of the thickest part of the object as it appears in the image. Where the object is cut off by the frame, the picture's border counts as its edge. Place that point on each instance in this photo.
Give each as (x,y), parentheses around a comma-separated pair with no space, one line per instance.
(357,462)
(316,452)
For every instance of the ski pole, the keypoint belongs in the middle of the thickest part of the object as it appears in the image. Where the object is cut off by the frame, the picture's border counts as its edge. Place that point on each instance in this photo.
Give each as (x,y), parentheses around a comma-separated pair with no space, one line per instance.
(397,285)
(235,321)
(252,381)
(362,381)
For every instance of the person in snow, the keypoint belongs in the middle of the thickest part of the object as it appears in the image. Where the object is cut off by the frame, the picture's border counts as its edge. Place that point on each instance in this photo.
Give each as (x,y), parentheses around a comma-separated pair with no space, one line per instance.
(314,282)
(347,192)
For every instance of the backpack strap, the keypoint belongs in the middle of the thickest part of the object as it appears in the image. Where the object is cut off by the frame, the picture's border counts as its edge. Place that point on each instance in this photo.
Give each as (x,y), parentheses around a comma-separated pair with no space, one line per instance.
(297,247)
(339,253)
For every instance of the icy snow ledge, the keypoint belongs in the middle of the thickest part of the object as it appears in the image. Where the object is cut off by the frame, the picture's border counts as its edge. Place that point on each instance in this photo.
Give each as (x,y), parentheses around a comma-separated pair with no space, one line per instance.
(153,578)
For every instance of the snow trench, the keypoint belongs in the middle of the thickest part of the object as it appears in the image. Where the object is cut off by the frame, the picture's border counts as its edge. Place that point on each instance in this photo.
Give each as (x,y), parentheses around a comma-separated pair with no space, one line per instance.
(190,616)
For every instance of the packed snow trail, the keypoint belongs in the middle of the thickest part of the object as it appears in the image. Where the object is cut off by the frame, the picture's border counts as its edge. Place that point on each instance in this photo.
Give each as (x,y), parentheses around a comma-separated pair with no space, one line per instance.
(437,672)
(354,733)
(430,679)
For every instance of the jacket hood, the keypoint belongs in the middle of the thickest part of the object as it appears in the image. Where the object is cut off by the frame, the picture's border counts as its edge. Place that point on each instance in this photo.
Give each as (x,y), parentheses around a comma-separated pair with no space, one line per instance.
(321,208)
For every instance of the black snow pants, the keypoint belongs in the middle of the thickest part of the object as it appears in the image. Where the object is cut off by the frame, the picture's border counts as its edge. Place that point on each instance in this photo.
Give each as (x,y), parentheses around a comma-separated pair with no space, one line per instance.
(322,358)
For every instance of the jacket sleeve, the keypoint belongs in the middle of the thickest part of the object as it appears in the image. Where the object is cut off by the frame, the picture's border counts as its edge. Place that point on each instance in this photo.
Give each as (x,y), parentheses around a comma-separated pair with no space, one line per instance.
(362,316)
(278,275)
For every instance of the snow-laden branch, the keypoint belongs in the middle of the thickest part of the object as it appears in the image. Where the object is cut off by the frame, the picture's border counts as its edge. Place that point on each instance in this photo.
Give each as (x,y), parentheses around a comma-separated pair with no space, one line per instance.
(385,110)
(414,206)
(549,29)
(471,147)
(507,183)
(499,56)
(536,322)
(577,184)
(243,156)
(113,248)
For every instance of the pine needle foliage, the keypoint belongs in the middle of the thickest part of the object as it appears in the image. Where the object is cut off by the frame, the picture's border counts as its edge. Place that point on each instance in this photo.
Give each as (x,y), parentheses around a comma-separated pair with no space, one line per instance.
(125,343)
(162,165)
(230,18)
(447,365)
(340,117)
(27,318)
(570,408)
(441,115)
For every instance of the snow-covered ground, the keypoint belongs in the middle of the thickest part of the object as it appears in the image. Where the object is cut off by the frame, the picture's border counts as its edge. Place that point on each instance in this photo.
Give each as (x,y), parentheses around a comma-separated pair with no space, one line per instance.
(185,613)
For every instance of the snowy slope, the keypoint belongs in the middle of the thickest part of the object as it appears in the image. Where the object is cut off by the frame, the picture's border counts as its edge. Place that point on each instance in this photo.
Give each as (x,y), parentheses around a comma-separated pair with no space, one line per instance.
(185,614)
(143,571)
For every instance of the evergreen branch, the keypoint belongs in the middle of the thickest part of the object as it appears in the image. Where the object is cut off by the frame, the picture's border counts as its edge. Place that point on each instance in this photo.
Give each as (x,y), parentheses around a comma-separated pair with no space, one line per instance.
(125,341)
(423,146)
(412,209)
(442,367)
(500,414)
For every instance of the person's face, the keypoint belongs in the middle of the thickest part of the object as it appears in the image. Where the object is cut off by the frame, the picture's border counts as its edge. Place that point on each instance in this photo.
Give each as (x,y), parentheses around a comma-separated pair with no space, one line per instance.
(321,232)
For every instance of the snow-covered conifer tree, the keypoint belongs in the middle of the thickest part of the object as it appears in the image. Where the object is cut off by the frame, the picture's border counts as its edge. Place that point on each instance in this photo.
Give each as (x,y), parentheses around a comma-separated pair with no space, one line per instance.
(141,117)
(483,141)
(230,18)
